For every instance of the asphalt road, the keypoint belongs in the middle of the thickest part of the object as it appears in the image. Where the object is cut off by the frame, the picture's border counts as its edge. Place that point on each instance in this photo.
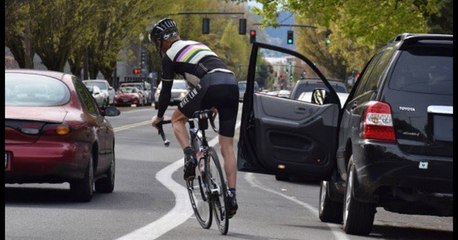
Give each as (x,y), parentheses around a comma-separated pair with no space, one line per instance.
(150,201)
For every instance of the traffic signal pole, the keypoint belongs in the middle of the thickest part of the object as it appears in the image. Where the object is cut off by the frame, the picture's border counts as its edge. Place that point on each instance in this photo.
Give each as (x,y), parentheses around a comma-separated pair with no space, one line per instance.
(206,21)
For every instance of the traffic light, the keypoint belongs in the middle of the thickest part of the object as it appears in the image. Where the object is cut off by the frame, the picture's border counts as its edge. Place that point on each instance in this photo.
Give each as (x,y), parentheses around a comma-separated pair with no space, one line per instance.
(290,38)
(252,36)
(205,25)
(242,26)
(143,57)
(137,70)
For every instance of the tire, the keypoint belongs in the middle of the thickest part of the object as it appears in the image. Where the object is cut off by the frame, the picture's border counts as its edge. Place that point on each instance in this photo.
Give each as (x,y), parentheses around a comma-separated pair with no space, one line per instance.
(329,210)
(219,189)
(198,195)
(82,190)
(106,184)
(358,217)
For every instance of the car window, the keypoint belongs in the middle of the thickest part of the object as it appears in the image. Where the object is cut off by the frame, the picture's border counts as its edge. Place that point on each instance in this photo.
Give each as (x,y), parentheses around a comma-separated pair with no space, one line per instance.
(179,85)
(24,90)
(242,86)
(360,85)
(86,98)
(309,86)
(374,78)
(430,71)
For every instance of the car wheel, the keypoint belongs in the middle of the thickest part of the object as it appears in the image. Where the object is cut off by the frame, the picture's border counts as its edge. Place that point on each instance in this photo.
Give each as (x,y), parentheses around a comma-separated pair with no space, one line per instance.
(82,190)
(106,184)
(358,217)
(329,210)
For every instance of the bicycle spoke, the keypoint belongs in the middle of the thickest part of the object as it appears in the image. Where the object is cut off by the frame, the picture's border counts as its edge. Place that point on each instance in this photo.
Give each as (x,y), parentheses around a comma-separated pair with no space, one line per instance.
(218,189)
(199,202)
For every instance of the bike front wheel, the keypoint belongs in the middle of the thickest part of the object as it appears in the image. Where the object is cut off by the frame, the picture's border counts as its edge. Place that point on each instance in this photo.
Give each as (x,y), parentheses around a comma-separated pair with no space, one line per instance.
(218,191)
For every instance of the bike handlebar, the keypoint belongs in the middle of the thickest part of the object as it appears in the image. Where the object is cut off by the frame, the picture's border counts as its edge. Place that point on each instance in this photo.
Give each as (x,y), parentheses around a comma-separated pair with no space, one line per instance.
(161,132)
(204,114)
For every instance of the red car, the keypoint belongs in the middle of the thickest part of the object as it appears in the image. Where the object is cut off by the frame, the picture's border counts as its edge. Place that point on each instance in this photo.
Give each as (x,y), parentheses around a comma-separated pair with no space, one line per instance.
(128,96)
(55,133)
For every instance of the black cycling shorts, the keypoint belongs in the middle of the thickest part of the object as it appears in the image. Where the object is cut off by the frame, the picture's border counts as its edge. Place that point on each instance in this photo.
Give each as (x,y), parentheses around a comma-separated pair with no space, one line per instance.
(219,90)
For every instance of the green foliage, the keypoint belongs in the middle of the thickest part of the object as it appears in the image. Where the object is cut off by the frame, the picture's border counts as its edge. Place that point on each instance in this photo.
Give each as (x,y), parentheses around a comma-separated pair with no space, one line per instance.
(103,32)
(359,27)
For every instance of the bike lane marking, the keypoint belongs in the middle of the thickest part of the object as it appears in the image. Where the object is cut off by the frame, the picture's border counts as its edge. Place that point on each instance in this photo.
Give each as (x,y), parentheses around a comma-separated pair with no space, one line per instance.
(179,213)
(338,234)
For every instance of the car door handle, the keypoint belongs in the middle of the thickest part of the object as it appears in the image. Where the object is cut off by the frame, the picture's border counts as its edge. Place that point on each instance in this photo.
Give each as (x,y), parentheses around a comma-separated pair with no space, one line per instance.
(300,110)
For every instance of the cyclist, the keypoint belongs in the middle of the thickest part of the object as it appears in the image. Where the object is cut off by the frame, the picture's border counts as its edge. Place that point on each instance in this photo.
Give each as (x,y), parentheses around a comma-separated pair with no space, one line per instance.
(214,86)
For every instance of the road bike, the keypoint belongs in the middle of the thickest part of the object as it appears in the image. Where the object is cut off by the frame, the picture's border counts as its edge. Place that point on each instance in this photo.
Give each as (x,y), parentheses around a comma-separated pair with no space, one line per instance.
(208,190)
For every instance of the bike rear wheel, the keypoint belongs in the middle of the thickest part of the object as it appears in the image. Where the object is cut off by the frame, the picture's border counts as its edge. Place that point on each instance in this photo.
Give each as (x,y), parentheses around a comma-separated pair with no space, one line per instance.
(218,190)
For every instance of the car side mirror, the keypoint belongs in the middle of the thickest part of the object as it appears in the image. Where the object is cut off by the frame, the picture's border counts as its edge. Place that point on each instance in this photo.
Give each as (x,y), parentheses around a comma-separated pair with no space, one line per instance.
(110,111)
(319,96)
(110,88)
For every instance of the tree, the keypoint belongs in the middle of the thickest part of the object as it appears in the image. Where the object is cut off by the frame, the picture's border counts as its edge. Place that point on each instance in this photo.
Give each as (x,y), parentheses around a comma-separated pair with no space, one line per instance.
(355,35)
(17,32)
(57,27)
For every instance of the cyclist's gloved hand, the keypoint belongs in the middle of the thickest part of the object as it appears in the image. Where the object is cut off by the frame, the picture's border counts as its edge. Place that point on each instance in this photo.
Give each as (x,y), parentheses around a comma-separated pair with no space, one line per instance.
(155,121)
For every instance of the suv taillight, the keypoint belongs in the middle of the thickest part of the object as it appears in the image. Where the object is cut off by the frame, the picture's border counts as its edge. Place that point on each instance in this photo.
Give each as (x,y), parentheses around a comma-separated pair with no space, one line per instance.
(377,122)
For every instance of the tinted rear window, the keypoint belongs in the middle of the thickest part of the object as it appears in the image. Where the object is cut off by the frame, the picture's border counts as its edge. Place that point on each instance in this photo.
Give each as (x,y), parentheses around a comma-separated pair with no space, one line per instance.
(34,90)
(424,71)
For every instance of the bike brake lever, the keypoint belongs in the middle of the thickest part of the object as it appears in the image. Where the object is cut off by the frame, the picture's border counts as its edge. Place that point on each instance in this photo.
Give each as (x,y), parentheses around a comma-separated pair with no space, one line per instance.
(161,132)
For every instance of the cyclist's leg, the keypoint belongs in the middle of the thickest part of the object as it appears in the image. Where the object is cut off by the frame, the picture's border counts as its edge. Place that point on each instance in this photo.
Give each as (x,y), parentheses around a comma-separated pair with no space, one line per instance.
(225,98)
(180,130)
(230,162)
(190,103)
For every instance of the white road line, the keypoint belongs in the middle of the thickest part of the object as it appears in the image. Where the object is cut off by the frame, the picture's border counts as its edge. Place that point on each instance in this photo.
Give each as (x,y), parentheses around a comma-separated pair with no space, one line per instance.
(125,127)
(338,234)
(180,212)
(178,215)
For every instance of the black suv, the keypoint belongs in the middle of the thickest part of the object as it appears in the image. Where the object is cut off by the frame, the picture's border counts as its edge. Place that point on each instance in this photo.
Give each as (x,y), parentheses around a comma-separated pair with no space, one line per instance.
(389,146)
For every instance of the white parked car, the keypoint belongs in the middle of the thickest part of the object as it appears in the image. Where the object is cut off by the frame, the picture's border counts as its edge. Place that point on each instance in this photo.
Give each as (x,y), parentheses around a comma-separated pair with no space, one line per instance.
(180,89)
(104,87)
(99,96)
(284,93)
(307,97)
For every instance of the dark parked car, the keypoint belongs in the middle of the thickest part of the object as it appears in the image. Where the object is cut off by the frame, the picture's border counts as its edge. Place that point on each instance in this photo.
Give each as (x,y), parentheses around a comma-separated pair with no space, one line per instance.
(389,146)
(55,133)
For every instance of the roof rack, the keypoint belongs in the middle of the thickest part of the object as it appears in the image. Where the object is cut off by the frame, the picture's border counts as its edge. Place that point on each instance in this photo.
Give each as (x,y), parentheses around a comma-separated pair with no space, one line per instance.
(401,37)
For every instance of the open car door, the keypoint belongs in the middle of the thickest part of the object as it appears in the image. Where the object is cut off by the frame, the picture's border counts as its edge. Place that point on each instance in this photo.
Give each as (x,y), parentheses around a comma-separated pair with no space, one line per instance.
(282,136)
